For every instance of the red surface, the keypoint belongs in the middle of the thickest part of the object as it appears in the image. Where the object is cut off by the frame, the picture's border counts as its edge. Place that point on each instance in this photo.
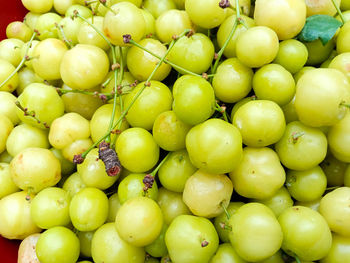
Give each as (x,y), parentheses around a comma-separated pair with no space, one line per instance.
(10,10)
(8,250)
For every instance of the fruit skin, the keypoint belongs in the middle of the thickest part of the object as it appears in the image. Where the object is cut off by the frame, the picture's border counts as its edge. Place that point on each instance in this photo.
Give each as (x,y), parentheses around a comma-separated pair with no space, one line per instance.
(318,98)
(133,186)
(190,94)
(141,64)
(35,169)
(271,12)
(8,106)
(93,172)
(5,130)
(169,132)
(343,39)
(108,247)
(84,67)
(7,185)
(232,81)
(67,129)
(340,250)
(292,55)
(139,221)
(205,194)
(342,62)
(280,201)
(38,6)
(226,253)
(137,150)
(224,31)
(50,208)
(49,52)
(321,7)
(339,139)
(125,18)
(222,219)
(15,219)
(256,233)
(26,136)
(260,122)
(257,46)
(154,100)
(318,52)
(6,68)
(205,13)
(273,82)
(305,233)
(214,146)
(171,204)
(88,209)
(298,184)
(176,170)
(301,147)
(259,175)
(334,207)
(44,101)
(171,22)
(26,250)
(53,242)
(185,239)
(87,35)
(194,53)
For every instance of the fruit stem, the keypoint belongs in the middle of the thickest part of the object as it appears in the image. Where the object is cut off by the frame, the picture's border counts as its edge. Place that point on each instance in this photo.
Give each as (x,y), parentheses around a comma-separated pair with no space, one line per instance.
(102,96)
(345,104)
(117,81)
(60,29)
(225,226)
(222,110)
(204,243)
(238,20)
(339,11)
(221,51)
(76,13)
(165,60)
(297,259)
(24,59)
(225,210)
(155,171)
(332,188)
(104,84)
(296,136)
(123,113)
(30,191)
(238,10)
(30,114)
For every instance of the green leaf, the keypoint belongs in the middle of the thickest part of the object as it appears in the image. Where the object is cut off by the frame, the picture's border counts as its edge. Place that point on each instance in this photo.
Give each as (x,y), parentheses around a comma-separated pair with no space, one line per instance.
(321,27)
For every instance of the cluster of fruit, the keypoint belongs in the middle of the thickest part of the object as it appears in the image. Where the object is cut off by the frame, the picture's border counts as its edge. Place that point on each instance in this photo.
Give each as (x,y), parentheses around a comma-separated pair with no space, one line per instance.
(185,131)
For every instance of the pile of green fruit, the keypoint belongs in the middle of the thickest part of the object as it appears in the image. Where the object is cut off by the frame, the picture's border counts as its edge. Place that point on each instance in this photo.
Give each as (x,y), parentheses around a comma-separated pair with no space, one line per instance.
(185,131)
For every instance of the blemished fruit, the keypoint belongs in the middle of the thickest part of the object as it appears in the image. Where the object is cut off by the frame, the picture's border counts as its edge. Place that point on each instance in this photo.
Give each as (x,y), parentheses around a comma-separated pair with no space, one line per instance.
(183,131)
